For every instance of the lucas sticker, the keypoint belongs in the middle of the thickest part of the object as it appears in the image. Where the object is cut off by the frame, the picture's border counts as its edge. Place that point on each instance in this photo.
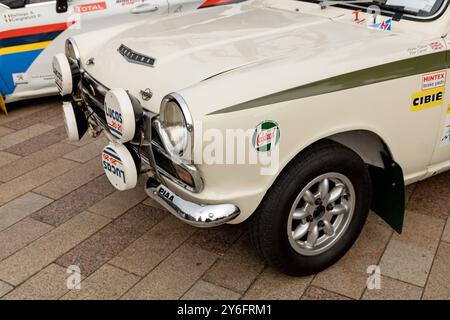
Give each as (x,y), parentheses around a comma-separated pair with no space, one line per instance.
(266,136)
(20,78)
(112,164)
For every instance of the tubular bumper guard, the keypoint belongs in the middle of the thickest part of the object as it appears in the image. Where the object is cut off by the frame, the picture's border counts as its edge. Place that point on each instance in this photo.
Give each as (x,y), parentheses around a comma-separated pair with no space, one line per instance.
(203,216)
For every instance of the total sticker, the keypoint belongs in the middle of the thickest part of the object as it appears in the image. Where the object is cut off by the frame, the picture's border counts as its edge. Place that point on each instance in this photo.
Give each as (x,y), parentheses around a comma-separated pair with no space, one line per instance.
(91,7)
(266,136)
(434,80)
(427,99)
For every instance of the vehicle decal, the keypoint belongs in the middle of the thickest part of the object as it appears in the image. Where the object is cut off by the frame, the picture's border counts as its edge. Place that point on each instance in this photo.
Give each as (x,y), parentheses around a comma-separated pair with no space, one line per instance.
(20,78)
(10,42)
(358,19)
(385,25)
(24,48)
(20,47)
(13,16)
(436,45)
(434,80)
(128,2)
(90,7)
(215,3)
(386,72)
(34,30)
(427,99)
(445,140)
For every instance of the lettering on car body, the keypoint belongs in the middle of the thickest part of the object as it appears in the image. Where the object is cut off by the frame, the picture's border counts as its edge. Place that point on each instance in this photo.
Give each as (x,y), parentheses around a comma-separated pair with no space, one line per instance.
(165,194)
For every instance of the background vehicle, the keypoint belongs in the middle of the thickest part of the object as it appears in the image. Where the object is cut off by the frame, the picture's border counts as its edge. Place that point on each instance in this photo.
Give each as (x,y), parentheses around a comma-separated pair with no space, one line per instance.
(33,31)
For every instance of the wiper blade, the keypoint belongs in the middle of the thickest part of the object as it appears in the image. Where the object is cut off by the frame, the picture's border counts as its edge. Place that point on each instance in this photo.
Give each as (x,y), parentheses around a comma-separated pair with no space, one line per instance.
(382,3)
(325,3)
(401,8)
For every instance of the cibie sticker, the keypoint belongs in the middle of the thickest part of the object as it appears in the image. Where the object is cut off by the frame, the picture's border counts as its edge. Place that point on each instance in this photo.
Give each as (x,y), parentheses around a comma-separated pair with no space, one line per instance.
(119,166)
(427,99)
(266,136)
(434,80)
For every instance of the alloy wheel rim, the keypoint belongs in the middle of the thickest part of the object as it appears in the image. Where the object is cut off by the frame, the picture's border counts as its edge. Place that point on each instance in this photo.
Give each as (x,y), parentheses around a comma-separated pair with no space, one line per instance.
(321,213)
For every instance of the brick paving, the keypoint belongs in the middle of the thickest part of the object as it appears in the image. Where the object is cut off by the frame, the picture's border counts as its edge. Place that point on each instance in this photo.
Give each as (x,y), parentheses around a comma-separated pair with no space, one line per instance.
(57,209)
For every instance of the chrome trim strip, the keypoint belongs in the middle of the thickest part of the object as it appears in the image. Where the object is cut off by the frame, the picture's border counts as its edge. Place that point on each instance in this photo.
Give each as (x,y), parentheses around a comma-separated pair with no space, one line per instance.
(198,215)
(195,173)
(135,57)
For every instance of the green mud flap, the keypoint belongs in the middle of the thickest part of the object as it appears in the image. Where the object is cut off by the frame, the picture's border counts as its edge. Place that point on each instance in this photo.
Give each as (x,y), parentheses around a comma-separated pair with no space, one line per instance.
(388,199)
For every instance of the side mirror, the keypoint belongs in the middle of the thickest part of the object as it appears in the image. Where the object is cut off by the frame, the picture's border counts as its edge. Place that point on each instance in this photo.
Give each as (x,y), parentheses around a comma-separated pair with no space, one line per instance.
(61,6)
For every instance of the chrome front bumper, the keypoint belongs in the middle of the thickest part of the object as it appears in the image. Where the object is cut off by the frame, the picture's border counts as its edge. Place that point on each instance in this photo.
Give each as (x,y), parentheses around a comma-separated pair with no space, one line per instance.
(203,216)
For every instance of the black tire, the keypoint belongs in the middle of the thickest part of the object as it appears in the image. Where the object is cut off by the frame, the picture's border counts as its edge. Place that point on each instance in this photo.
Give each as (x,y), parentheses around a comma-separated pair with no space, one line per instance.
(268,225)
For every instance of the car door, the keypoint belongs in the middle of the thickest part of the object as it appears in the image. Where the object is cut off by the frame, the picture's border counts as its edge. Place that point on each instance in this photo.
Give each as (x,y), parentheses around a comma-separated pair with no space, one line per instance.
(441,158)
(35,30)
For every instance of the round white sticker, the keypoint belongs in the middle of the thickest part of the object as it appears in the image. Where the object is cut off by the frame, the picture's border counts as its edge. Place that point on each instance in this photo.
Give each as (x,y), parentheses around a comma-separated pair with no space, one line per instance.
(119,166)
(119,115)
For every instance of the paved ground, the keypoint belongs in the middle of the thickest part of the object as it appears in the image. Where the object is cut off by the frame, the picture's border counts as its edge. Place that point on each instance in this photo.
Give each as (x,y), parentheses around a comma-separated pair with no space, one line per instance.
(57,209)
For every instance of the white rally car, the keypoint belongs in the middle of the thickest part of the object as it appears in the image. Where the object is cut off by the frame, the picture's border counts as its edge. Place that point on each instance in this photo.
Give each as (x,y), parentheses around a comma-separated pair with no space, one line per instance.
(33,31)
(301,115)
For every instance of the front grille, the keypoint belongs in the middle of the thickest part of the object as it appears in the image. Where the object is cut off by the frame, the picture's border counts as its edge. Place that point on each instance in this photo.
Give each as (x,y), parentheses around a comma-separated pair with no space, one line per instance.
(93,94)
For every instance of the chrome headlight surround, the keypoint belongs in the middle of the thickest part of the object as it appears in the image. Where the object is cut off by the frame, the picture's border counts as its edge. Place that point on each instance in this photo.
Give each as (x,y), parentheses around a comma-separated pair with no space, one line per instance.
(72,52)
(177,127)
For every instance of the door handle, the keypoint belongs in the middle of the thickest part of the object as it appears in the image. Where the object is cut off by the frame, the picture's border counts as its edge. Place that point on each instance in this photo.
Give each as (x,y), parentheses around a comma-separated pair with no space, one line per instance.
(145,8)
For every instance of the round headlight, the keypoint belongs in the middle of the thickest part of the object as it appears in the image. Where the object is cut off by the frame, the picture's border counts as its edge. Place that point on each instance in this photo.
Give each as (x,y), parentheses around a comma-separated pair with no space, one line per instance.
(176,123)
(72,52)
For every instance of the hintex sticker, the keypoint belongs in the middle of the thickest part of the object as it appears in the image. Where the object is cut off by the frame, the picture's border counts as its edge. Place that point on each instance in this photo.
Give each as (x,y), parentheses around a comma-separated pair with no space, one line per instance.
(434,80)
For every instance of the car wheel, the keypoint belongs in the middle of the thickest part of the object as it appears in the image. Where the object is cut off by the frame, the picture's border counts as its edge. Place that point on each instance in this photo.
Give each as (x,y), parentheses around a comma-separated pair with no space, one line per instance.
(315,210)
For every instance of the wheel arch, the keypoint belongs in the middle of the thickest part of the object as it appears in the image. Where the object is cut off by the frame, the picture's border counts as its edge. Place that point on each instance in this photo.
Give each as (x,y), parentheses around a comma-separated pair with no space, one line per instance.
(367,144)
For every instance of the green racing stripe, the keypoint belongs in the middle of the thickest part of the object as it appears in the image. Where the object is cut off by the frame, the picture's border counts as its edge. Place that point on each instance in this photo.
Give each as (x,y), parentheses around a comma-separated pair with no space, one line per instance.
(385,72)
